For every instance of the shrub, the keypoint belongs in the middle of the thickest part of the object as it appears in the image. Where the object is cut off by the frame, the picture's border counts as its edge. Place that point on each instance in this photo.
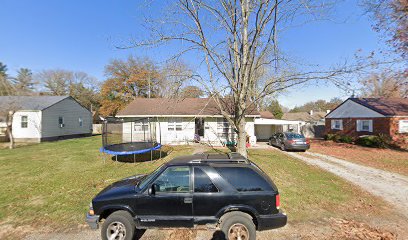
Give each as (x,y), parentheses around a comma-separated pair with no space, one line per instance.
(339,138)
(345,139)
(376,141)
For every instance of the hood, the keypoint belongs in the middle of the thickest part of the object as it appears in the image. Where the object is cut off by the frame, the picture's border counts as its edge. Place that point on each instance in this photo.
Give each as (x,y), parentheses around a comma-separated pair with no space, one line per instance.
(121,187)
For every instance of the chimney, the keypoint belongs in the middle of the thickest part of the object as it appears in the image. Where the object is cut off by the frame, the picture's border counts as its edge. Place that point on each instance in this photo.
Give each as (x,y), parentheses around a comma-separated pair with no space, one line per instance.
(311,112)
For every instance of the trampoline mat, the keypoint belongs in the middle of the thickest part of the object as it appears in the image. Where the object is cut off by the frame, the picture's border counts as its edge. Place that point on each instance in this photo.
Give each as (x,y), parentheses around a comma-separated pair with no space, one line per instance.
(130,148)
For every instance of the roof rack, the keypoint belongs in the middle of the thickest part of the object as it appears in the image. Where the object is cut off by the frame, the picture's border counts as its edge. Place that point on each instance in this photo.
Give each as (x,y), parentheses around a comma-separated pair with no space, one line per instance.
(219,161)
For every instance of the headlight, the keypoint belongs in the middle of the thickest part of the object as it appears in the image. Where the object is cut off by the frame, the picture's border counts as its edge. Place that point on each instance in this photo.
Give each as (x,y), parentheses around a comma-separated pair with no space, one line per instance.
(91,211)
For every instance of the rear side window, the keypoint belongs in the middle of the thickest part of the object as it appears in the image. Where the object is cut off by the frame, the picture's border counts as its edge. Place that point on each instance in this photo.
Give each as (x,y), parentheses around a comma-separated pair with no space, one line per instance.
(202,183)
(244,179)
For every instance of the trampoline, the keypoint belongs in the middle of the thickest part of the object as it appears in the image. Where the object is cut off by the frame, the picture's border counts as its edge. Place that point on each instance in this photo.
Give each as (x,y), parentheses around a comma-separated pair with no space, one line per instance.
(129,136)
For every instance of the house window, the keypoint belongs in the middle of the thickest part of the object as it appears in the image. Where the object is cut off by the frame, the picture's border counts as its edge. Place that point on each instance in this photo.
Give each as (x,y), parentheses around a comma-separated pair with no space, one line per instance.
(61,122)
(24,121)
(141,126)
(175,124)
(403,126)
(364,125)
(337,124)
(80,122)
(224,129)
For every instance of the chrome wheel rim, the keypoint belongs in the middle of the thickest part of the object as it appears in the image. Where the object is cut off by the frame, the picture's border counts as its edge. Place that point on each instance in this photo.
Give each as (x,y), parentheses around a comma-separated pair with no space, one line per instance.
(238,231)
(116,231)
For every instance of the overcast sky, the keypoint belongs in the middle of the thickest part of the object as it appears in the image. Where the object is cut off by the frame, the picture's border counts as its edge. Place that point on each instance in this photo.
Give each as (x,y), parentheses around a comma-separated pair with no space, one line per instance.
(81,36)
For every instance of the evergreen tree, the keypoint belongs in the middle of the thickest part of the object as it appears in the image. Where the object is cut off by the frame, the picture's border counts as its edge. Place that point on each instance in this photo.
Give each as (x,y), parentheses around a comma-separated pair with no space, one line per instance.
(276,109)
(24,80)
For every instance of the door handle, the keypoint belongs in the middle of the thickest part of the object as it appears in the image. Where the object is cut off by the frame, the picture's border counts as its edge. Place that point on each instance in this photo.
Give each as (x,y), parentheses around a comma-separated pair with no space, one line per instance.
(188,200)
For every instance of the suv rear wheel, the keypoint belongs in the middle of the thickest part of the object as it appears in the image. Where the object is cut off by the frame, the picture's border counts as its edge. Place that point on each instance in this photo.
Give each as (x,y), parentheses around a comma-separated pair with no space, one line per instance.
(238,226)
(118,226)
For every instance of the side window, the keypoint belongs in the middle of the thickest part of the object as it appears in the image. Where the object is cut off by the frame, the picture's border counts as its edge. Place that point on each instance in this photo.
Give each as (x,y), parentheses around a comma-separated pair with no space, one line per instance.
(81,123)
(61,122)
(174,179)
(202,183)
(244,179)
(24,121)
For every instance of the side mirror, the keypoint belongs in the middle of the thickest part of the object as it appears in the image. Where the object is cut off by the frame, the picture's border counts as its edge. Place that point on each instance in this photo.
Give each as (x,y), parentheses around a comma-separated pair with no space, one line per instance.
(152,189)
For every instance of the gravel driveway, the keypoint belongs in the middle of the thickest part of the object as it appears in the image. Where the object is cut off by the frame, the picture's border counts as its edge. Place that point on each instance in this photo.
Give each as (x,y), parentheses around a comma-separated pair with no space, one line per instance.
(392,187)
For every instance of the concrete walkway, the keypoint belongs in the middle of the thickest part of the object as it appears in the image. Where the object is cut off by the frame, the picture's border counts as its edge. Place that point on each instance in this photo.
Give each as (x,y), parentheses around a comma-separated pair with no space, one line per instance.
(392,187)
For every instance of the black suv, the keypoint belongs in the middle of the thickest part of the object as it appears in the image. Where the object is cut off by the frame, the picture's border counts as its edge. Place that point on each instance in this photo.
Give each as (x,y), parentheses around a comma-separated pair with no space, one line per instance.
(223,191)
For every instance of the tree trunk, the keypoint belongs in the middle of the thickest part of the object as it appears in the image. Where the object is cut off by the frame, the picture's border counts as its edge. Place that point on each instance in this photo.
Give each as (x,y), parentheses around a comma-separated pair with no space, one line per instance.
(9,130)
(241,144)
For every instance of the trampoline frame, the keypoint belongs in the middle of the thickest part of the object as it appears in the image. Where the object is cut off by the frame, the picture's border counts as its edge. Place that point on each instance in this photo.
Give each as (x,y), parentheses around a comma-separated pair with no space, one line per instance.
(156,145)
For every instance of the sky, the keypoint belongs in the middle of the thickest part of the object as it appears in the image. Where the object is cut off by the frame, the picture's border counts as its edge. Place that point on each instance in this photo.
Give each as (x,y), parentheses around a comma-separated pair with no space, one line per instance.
(82,35)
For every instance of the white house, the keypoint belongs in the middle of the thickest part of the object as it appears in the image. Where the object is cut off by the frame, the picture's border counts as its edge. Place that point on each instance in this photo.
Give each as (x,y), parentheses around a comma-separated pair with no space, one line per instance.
(180,120)
(43,118)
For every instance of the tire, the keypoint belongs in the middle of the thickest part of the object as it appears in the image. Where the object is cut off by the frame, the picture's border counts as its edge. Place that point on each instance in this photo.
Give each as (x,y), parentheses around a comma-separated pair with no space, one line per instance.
(282,147)
(240,223)
(120,223)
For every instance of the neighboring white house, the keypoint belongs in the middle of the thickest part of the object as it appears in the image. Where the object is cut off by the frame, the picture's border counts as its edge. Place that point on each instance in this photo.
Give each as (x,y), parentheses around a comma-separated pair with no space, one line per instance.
(180,120)
(43,118)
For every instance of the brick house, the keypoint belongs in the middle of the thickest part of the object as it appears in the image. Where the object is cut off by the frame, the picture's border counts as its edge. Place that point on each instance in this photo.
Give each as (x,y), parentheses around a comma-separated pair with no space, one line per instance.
(371,116)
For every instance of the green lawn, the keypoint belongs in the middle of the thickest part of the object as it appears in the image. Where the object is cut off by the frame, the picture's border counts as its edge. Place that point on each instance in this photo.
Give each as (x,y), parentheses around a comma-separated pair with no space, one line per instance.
(53,183)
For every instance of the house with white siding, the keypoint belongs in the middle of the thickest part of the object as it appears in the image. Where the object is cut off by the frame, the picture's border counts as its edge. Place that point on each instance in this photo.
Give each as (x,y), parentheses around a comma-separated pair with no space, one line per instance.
(185,120)
(45,118)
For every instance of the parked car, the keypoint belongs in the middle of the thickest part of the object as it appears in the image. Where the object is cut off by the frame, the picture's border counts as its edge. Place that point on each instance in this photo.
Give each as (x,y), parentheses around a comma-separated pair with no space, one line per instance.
(289,141)
(222,191)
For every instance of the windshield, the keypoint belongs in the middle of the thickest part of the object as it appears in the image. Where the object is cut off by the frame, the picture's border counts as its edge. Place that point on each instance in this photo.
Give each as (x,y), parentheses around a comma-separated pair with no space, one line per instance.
(146,179)
(294,135)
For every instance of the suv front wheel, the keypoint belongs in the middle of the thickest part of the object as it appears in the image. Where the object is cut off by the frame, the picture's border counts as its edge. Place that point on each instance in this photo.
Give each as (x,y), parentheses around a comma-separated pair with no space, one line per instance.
(238,225)
(119,226)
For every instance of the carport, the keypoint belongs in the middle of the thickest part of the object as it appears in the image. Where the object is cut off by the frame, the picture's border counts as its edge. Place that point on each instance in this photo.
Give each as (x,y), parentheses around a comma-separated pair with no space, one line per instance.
(264,128)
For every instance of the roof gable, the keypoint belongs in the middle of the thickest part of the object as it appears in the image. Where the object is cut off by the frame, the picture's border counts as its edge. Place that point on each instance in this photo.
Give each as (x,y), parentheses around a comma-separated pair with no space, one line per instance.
(351,109)
(177,107)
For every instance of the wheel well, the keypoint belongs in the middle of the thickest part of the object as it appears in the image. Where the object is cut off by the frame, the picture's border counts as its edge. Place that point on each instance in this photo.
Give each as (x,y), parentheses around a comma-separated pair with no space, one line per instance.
(251,214)
(105,214)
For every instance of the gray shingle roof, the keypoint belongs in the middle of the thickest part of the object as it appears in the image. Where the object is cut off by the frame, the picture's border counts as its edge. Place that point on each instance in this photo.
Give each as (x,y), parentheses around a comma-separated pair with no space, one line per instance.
(304,116)
(29,102)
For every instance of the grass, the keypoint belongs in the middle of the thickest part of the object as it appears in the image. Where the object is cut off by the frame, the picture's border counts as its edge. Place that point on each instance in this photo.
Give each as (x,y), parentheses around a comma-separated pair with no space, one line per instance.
(53,183)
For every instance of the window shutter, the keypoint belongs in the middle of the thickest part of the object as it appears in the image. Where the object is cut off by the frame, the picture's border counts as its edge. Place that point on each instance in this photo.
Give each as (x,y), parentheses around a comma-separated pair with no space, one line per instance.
(341,124)
(370,128)
(333,124)
(358,125)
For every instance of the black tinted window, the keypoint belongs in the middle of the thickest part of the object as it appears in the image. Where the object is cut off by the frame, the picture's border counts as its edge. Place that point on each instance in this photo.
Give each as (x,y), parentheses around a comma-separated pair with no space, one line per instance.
(202,183)
(244,179)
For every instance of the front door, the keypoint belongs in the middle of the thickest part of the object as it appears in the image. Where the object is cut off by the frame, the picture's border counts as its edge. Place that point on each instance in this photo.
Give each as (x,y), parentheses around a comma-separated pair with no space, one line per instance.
(199,127)
(171,204)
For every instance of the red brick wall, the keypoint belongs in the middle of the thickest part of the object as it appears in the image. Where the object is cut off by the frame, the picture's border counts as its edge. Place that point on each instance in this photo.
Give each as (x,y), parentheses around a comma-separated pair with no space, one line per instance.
(400,139)
(380,125)
(387,126)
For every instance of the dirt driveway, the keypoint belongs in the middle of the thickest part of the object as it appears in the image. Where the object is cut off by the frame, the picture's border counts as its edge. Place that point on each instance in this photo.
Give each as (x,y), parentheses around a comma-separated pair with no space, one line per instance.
(392,187)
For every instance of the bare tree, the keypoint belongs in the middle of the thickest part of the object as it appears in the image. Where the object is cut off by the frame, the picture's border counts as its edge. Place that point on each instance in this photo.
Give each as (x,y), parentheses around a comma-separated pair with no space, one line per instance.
(238,44)
(81,86)
(385,84)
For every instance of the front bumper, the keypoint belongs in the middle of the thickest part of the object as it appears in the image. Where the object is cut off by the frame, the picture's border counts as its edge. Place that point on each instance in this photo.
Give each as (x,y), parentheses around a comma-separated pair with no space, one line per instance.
(92,220)
(266,222)
(297,146)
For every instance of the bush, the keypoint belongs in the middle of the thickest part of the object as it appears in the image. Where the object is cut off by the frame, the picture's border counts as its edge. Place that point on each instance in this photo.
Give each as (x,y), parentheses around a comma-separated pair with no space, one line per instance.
(345,139)
(376,141)
(338,138)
